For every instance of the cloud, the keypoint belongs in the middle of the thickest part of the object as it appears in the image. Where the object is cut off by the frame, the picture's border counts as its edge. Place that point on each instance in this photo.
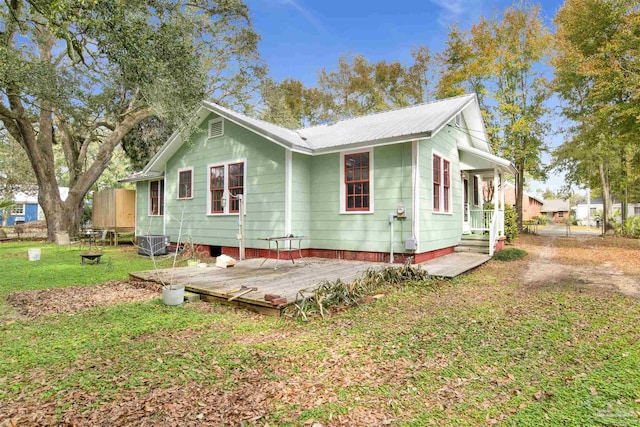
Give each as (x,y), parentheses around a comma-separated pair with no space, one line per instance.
(454,11)
(295,4)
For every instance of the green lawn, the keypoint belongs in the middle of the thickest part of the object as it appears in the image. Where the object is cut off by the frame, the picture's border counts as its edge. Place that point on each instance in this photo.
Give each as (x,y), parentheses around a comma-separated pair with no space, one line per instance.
(474,351)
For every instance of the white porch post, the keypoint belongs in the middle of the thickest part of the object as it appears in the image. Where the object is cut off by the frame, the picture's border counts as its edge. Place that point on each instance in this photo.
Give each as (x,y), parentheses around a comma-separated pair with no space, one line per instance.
(495,191)
(503,207)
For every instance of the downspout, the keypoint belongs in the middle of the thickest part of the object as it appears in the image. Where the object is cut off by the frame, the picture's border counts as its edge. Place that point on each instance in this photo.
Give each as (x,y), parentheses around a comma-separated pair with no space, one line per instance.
(391,217)
(241,225)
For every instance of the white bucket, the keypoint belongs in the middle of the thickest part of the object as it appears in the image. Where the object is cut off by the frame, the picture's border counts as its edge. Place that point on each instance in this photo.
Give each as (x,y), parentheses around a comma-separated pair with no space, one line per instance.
(34,254)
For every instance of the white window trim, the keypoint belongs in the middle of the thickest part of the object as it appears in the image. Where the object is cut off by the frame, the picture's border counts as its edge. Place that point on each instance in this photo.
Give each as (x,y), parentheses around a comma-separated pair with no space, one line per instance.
(226,188)
(343,204)
(442,212)
(149,199)
(218,119)
(190,169)
(15,212)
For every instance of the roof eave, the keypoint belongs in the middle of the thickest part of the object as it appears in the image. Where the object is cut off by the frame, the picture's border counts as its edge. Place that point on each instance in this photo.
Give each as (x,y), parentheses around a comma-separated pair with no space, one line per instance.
(141,178)
(498,162)
(260,131)
(444,122)
(372,143)
(162,152)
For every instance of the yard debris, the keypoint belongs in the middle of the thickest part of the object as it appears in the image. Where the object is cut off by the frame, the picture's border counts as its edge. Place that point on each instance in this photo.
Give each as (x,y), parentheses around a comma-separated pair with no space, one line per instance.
(70,300)
(337,295)
(224,261)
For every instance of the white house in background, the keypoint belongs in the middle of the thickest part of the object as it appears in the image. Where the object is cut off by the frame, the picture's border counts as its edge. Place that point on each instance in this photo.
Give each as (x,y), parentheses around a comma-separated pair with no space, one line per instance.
(593,211)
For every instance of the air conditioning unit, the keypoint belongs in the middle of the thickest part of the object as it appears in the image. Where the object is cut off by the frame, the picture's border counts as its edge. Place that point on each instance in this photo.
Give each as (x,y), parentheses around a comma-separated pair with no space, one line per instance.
(153,245)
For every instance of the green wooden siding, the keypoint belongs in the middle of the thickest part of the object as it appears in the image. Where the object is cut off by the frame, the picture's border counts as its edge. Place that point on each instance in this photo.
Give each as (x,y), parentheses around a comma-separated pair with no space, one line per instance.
(264,188)
(315,195)
(301,197)
(366,231)
(439,230)
(145,223)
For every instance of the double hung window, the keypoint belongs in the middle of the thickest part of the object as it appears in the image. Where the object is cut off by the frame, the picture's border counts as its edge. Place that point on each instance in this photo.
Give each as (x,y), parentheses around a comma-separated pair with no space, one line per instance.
(226,183)
(441,184)
(357,182)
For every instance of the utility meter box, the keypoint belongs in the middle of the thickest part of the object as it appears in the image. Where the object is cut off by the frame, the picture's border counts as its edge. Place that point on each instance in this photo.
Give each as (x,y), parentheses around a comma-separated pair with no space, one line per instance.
(410,244)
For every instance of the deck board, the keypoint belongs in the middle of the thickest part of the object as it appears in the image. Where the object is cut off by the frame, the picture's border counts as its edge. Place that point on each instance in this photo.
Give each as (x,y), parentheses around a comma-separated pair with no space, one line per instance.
(454,264)
(287,281)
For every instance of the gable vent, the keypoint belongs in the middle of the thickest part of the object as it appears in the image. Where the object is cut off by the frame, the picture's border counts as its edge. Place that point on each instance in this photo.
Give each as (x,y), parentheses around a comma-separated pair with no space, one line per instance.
(216,128)
(458,120)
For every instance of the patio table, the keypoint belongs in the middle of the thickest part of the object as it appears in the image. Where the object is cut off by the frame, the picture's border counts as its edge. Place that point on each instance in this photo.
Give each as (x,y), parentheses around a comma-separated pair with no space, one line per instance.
(283,239)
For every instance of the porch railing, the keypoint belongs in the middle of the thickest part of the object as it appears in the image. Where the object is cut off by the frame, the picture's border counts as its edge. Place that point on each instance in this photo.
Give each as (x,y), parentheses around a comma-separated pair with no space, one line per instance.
(490,221)
(481,220)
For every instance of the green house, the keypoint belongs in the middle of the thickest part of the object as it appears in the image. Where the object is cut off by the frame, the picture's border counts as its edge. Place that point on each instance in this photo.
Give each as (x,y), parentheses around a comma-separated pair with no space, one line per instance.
(385,186)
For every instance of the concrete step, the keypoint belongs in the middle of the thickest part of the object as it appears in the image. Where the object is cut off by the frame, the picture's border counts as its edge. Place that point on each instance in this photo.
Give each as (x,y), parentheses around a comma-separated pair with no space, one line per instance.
(474,249)
(464,242)
(475,237)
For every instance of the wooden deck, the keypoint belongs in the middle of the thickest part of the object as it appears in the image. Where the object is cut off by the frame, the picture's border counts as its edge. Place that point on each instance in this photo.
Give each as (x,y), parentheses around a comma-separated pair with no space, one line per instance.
(454,264)
(219,284)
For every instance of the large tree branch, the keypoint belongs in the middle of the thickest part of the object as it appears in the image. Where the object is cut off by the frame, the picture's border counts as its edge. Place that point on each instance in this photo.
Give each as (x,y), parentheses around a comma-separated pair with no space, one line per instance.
(6,113)
(70,150)
(105,152)
(91,136)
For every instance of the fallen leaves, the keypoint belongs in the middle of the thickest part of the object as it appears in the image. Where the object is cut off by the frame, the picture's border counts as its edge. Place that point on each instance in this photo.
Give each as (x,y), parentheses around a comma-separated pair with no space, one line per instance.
(72,299)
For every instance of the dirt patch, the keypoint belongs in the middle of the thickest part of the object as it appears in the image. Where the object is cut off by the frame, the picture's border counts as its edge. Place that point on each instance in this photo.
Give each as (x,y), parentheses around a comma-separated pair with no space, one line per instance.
(70,300)
(585,263)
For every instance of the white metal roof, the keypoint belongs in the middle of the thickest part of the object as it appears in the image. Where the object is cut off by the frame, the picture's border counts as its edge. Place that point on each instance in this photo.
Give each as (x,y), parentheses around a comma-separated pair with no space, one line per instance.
(419,121)
(477,159)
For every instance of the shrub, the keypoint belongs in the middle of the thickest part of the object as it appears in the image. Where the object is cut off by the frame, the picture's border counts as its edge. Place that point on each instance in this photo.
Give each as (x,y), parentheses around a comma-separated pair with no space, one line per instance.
(510,254)
(510,223)
(630,228)
(542,219)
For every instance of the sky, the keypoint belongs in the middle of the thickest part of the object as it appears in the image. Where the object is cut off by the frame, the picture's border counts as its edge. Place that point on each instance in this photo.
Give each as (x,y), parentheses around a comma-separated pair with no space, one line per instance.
(300,37)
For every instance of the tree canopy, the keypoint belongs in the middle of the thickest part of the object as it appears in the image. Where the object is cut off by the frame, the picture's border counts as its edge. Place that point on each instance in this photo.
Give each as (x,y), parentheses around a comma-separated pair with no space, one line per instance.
(355,87)
(79,73)
(597,66)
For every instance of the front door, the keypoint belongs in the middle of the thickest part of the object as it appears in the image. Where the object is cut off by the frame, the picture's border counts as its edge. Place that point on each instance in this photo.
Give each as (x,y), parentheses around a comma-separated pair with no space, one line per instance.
(466,220)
